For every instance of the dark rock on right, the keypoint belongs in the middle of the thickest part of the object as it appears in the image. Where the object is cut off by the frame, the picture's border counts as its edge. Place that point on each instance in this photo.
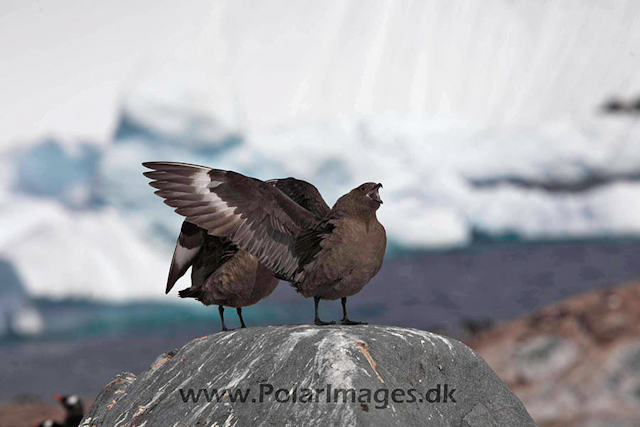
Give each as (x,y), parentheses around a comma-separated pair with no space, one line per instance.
(622,106)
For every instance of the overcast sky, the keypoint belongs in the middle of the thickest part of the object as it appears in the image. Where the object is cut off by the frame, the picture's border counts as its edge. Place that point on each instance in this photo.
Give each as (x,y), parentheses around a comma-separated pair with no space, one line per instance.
(65,65)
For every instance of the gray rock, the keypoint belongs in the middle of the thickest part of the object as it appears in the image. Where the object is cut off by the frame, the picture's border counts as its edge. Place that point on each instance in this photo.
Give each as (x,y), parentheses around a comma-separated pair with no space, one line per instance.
(287,366)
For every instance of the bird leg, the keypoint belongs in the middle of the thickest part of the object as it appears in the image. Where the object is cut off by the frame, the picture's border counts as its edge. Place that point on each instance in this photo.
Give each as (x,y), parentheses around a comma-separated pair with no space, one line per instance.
(345,319)
(316,301)
(239,310)
(221,311)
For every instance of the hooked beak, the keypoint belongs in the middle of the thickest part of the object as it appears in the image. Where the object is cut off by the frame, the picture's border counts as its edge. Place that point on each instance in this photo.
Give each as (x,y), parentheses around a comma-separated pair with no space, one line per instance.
(374,195)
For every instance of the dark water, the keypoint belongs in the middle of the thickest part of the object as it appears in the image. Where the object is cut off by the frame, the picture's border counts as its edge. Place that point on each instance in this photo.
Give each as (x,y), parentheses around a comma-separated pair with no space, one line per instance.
(86,344)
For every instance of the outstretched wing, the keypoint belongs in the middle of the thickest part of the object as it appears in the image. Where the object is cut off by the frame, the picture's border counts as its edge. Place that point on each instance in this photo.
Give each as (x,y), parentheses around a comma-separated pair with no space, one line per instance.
(256,216)
(304,194)
(189,244)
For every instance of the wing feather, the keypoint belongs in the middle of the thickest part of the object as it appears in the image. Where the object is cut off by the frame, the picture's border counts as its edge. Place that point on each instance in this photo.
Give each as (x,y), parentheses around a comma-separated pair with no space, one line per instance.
(303,193)
(256,216)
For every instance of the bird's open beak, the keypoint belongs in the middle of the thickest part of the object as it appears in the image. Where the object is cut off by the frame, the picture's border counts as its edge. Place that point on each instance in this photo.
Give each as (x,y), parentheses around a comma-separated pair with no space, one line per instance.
(374,195)
(58,397)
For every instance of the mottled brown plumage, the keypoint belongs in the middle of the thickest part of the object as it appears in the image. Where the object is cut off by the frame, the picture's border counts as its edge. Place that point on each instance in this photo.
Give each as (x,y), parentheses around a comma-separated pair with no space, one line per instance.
(224,275)
(324,253)
(221,274)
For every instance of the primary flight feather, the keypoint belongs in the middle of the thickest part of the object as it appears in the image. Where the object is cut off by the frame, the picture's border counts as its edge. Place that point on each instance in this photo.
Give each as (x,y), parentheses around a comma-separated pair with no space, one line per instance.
(325,253)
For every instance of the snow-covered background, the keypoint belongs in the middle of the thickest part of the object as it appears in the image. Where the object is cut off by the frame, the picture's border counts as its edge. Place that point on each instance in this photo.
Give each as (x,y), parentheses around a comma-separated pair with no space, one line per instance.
(480,118)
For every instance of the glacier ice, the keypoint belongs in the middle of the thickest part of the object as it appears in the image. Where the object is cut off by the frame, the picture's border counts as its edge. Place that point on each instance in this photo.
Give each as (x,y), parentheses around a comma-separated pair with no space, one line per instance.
(466,111)
(18,316)
(65,172)
(429,169)
(59,252)
(119,249)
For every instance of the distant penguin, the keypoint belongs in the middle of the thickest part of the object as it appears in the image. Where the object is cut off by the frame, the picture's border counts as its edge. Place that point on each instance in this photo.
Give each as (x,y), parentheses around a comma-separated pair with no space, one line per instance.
(74,409)
(50,423)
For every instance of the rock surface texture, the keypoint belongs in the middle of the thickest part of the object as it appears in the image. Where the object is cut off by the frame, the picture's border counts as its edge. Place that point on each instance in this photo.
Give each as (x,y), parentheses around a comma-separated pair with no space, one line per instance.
(576,363)
(293,369)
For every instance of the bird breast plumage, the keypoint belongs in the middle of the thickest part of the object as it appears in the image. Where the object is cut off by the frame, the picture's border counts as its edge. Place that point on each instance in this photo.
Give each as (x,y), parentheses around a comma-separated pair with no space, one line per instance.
(354,250)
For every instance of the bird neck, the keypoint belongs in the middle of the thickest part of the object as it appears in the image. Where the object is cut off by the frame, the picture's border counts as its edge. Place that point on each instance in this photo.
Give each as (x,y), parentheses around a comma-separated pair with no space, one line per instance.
(348,210)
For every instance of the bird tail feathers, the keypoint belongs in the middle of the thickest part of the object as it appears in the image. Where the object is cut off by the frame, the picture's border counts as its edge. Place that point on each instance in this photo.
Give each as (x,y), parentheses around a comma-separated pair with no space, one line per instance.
(188,246)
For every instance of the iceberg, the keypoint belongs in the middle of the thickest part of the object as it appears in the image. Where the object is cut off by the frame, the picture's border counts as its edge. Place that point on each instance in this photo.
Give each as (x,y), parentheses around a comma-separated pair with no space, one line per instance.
(62,253)
(444,183)
(498,135)
(58,170)
(18,316)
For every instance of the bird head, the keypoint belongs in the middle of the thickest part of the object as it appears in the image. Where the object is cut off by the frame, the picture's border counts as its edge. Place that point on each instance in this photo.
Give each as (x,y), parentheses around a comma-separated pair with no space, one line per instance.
(370,190)
(362,200)
(72,403)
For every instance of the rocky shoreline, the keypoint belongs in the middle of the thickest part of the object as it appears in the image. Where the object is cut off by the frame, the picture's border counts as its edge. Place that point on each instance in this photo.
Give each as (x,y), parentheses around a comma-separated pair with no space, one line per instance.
(574,363)
(29,412)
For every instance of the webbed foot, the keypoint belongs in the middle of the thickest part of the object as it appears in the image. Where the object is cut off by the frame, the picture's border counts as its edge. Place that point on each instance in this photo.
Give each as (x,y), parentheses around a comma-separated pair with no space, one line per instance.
(346,321)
